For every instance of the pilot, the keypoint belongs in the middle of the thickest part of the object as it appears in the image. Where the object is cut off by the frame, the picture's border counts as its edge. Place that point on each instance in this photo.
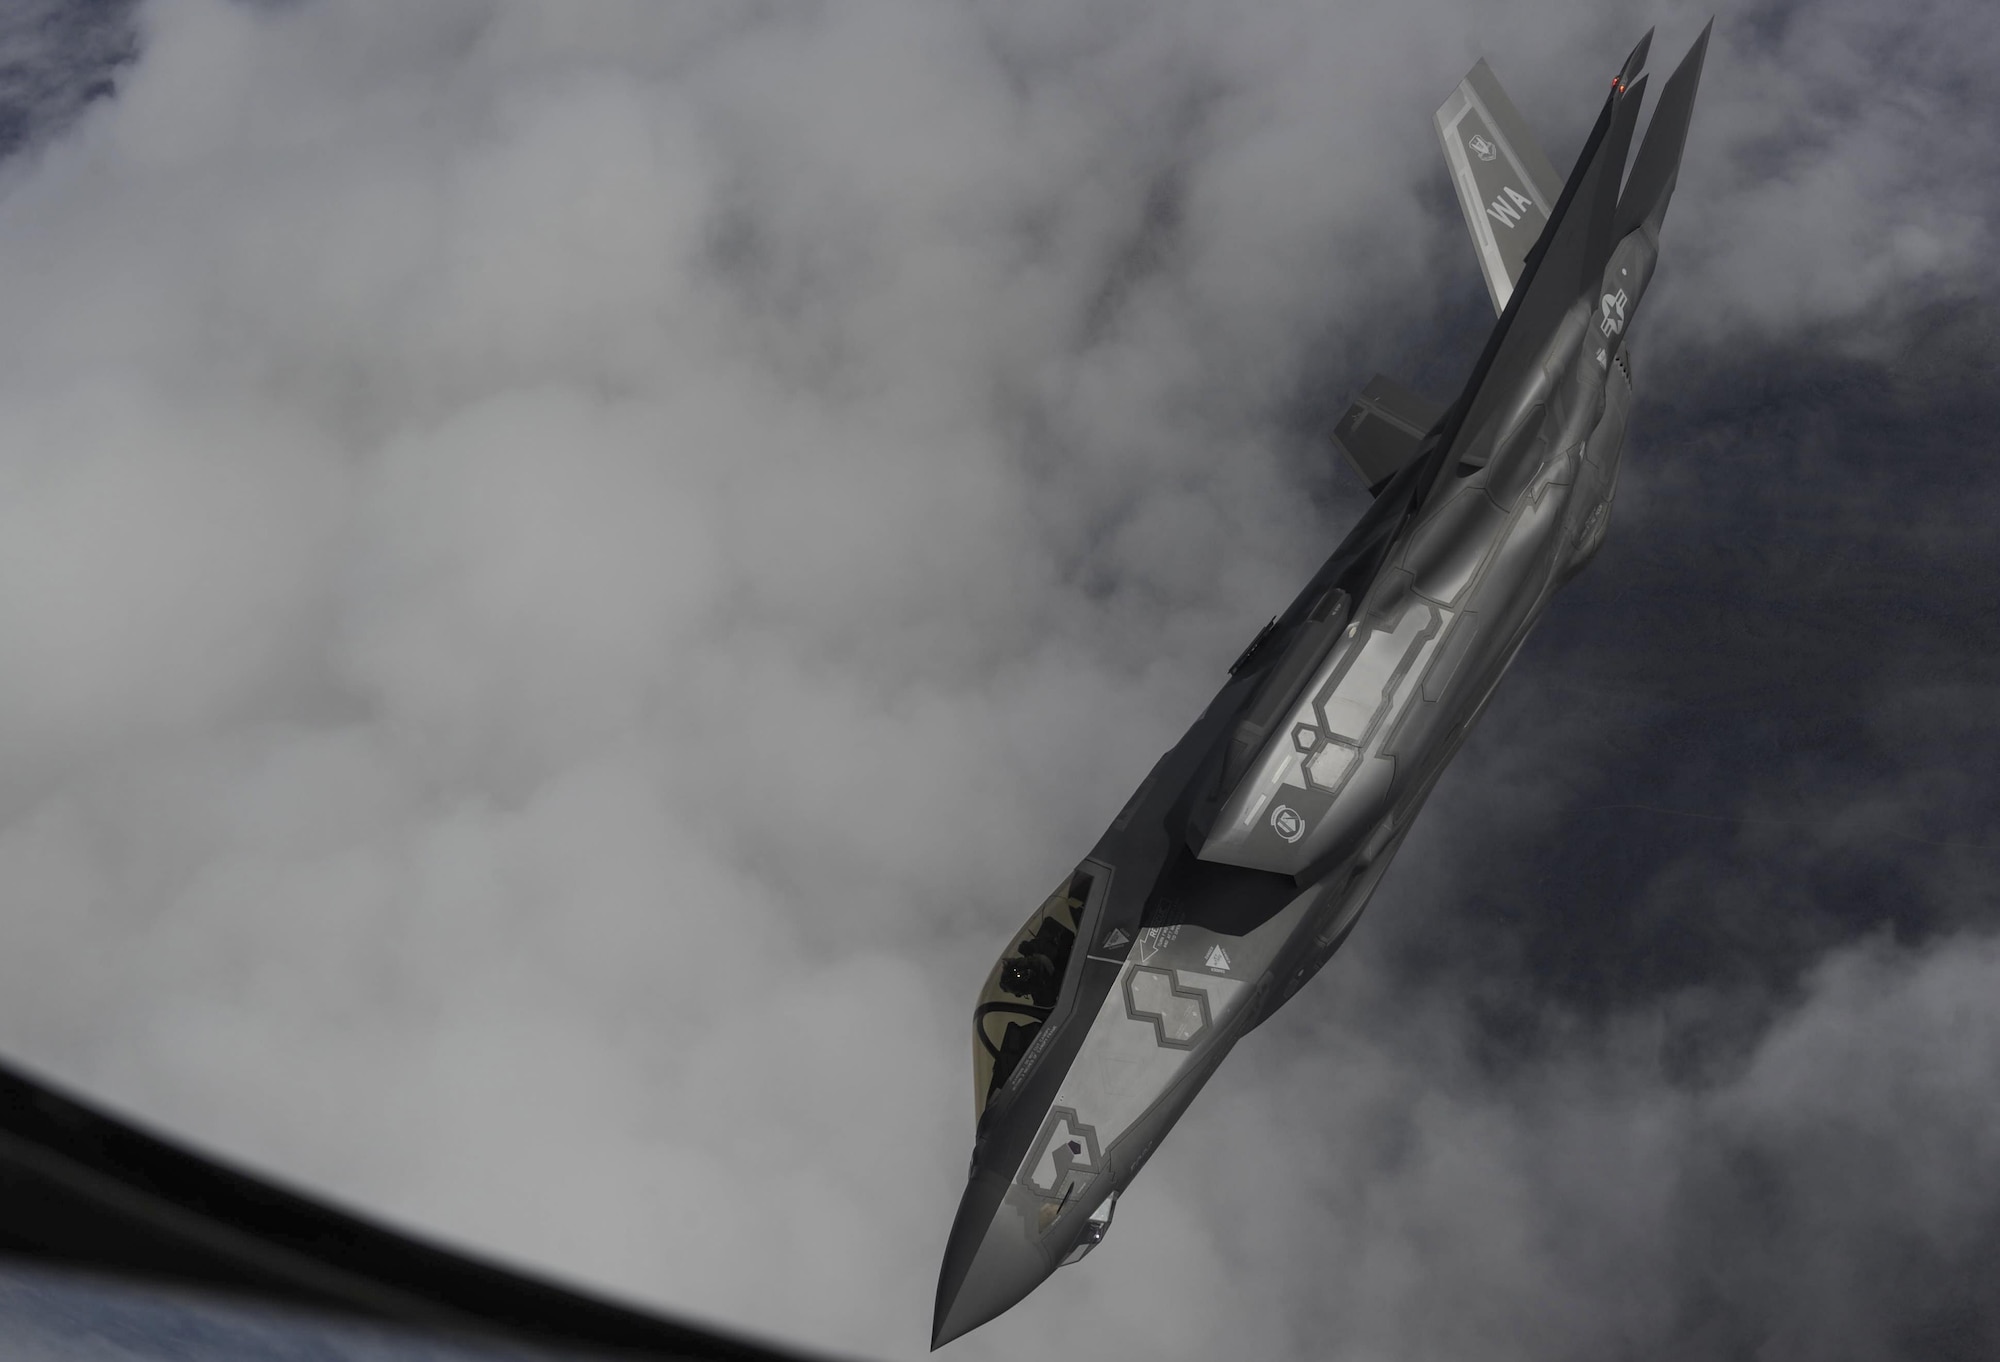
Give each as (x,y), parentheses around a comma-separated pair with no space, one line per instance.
(1032,977)
(1036,973)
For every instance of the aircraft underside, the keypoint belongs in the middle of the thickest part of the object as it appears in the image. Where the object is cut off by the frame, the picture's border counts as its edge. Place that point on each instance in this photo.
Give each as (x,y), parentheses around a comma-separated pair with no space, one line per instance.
(1243,861)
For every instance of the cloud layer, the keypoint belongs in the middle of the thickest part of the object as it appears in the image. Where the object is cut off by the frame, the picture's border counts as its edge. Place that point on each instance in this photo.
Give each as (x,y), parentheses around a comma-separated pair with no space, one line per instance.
(565,577)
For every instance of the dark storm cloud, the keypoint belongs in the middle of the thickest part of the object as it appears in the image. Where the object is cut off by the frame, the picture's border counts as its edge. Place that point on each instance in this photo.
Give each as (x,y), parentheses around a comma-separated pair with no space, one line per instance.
(1797,639)
(55,57)
(569,573)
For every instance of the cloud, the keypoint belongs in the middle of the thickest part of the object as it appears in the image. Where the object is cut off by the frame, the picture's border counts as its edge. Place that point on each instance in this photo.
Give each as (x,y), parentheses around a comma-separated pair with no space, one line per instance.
(566,581)
(54,59)
(1829,1197)
(1816,211)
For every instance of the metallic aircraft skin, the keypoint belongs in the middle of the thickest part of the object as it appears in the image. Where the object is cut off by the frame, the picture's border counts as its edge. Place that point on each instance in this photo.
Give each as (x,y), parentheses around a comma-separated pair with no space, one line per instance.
(1245,858)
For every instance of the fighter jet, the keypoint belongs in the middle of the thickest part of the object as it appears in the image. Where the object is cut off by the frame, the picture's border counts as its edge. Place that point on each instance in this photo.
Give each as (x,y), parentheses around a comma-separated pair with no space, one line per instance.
(1243,861)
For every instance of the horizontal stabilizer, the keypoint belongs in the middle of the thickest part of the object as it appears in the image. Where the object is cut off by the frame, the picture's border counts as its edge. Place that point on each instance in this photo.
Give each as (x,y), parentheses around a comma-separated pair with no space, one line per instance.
(1505,183)
(1380,432)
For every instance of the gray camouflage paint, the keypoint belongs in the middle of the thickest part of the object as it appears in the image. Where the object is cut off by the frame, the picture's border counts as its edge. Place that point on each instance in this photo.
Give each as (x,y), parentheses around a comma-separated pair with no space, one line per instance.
(1227,884)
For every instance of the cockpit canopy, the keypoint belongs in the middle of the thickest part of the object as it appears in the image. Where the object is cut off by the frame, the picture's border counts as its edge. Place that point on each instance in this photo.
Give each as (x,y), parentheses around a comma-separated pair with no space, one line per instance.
(1023,988)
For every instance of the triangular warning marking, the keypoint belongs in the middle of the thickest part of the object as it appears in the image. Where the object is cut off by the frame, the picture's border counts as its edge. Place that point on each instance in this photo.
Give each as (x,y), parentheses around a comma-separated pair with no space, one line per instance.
(1116,939)
(1217,959)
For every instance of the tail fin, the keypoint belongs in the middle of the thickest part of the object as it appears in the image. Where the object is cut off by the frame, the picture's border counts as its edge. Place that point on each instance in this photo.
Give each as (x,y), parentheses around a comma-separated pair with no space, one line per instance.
(1505,183)
(1568,259)
(1657,167)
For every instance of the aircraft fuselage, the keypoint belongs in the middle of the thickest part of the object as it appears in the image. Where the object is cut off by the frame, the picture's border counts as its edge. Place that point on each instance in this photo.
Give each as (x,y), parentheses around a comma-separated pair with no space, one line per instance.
(1247,855)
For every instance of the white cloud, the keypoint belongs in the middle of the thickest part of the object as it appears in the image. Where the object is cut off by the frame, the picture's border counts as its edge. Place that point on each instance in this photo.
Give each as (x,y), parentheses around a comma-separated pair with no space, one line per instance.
(563,582)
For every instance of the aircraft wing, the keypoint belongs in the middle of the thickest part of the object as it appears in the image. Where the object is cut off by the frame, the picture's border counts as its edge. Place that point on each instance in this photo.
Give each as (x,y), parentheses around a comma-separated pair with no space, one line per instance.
(1505,183)
(1383,429)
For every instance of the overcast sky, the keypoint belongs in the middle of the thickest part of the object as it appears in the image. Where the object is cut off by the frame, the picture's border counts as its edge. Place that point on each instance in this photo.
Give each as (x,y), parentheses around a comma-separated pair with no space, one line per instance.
(568,572)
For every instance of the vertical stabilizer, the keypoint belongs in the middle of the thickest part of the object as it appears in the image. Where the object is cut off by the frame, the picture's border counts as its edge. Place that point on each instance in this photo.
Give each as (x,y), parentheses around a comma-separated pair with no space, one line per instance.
(1567,260)
(1658,164)
(1505,183)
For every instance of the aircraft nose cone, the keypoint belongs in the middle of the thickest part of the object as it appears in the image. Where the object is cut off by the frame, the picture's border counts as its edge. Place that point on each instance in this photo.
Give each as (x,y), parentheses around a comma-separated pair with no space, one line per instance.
(990,1263)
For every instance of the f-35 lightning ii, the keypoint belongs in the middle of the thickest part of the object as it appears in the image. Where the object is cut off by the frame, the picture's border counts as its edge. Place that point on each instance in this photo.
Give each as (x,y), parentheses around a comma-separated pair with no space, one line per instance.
(1243,861)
